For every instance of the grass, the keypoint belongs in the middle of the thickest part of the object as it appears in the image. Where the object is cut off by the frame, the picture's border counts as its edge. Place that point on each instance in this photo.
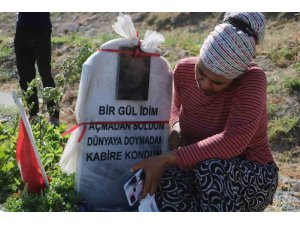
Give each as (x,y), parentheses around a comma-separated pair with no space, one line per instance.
(297,67)
(6,74)
(284,119)
(79,40)
(179,44)
(273,88)
(8,111)
(280,129)
(286,82)
(5,47)
(182,39)
(6,52)
(283,54)
(292,84)
(284,50)
(272,109)
(175,41)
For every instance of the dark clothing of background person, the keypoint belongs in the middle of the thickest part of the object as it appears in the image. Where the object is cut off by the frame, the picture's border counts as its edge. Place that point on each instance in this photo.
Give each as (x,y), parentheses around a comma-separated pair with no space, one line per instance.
(33,45)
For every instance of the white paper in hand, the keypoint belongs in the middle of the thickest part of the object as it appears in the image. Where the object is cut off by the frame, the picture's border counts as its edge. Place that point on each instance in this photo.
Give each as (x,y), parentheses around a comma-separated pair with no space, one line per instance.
(148,204)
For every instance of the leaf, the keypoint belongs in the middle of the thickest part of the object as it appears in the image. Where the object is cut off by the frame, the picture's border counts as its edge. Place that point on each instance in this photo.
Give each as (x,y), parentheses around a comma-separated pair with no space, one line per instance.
(2,154)
(47,162)
(3,169)
(9,165)
(2,137)
(17,181)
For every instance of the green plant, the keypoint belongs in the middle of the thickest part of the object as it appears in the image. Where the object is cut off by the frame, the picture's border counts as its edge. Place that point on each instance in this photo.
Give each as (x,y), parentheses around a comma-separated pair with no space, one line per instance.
(5,48)
(272,109)
(292,84)
(9,173)
(7,70)
(8,111)
(273,88)
(61,195)
(71,68)
(280,129)
(5,51)
(297,67)
(286,52)
(178,44)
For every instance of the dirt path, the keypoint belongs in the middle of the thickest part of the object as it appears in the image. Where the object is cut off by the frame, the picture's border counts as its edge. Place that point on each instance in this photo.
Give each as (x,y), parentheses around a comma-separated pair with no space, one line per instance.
(6,100)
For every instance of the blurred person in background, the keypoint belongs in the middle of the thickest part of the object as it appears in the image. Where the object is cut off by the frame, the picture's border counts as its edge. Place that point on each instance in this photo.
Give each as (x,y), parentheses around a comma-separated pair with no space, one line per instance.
(33,46)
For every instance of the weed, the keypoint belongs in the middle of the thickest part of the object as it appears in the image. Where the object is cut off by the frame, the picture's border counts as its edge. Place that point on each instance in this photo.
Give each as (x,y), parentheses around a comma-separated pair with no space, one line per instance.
(273,88)
(292,84)
(61,196)
(7,74)
(286,53)
(281,129)
(272,109)
(8,111)
(5,51)
(297,67)
(5,47)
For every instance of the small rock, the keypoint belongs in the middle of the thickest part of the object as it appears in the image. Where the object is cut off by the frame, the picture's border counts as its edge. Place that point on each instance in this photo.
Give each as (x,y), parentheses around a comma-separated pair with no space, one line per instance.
(94,17)
(91,32)
(71,27)
(294,165)
(75,18)
(296,187)
(285,181)
(182,54)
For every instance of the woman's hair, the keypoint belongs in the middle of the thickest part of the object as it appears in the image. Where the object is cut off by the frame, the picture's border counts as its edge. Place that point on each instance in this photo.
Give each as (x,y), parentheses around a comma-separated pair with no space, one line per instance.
(230,48)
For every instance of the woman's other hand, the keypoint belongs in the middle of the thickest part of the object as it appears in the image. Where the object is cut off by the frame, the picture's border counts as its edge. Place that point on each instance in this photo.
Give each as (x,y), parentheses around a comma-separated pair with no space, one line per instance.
(176,139)
(154,168)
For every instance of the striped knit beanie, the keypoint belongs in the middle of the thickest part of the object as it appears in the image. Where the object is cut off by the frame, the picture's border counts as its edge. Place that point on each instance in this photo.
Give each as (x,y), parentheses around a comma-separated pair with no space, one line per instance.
(230,48)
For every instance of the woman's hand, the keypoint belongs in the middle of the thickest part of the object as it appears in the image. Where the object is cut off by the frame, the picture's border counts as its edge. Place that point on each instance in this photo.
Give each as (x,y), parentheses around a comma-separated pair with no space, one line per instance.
(176,139)
(154,168)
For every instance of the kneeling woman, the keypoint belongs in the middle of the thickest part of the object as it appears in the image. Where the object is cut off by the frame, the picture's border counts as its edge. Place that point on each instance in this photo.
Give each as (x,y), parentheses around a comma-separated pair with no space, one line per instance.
(220,158)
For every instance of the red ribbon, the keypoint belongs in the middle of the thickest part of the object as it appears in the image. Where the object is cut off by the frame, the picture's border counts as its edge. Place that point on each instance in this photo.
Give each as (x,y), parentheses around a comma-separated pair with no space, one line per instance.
(136,53)
(103,123)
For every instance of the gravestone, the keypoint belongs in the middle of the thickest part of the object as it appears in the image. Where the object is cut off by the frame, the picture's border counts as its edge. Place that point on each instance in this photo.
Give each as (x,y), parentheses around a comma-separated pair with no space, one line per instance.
(123,109)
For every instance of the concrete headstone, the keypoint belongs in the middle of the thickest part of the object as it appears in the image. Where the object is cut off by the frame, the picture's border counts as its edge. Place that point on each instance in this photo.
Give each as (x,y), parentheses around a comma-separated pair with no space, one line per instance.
(118,131)
(134,129)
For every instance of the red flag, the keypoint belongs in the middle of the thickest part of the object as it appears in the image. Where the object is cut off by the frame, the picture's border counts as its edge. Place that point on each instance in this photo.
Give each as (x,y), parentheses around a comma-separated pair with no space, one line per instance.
(28,165)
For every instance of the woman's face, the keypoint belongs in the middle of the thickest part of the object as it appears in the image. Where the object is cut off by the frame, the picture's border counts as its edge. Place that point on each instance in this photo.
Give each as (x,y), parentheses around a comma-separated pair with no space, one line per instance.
(209,82)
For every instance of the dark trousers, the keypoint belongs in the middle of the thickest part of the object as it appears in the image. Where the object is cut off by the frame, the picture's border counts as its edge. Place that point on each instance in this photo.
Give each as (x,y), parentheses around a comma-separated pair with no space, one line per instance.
(34,46)
(218,185)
